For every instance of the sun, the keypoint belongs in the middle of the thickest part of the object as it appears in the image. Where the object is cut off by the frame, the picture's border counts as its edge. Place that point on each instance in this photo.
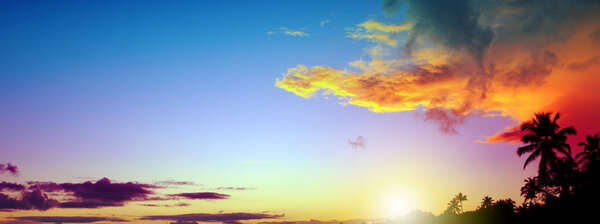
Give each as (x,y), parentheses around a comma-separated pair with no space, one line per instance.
(397,205)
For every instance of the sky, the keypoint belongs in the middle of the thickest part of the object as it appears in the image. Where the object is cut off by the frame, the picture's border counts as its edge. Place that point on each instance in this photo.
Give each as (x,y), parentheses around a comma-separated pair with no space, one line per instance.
(280,111)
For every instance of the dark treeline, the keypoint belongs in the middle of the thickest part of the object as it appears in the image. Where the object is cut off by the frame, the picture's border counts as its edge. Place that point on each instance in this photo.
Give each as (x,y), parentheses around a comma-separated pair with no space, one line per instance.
(565,190)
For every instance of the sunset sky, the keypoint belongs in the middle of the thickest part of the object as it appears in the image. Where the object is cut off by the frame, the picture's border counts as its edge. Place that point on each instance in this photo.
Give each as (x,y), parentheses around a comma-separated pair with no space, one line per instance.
(273,111)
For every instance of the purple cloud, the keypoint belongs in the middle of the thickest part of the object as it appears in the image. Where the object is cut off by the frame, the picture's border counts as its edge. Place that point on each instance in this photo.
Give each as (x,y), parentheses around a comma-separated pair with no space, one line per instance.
(29,200)
(44,186)
(105,191)
(202,195)
(9,168)
(167,206)
(220,217)
(11,186)
(68,219)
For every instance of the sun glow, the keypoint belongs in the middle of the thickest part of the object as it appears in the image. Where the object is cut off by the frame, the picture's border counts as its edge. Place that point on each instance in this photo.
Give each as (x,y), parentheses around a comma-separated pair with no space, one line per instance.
(396,205)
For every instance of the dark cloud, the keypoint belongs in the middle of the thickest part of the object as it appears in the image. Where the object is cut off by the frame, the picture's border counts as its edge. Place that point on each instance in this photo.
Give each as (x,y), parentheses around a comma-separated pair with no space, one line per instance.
(9,168)
(220,217)
(68,219)
(453,24)
(11,186)
(29,200)
(391,6)
(105,191)
(202,195)
(44,186)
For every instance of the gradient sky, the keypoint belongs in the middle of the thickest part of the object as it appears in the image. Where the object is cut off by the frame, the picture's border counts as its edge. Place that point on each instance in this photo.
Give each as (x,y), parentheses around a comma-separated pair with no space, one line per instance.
(150,91)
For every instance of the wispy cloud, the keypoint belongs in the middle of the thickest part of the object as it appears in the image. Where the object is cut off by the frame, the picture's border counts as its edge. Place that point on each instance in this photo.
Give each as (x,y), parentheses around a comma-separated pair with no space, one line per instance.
(378,32)
(287,31)
(359,142)
(207,217)
(324,22)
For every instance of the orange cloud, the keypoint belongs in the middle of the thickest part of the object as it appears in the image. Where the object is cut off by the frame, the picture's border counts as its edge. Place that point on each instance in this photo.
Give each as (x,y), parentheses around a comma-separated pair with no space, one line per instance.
(450,74)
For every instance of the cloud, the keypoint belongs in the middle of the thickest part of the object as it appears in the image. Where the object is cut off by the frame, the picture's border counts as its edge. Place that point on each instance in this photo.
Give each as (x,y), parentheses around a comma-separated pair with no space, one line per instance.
(234,188)
(378,32)
(324,22)
(68,219)
(202,195)
(220,217)
(167,206)
(29,200)
(472,58)
(105,191)
(8,167)
(172,182)
(360,142)
(510,134)
(11,186)
(452,24)
(287,31)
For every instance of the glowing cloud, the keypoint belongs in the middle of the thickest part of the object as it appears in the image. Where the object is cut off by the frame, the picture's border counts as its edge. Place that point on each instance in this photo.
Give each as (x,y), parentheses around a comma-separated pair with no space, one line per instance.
(483,58)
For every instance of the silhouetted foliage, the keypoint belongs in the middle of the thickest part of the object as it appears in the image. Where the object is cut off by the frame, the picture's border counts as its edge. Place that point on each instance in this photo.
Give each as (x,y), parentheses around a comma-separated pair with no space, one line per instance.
(562,192)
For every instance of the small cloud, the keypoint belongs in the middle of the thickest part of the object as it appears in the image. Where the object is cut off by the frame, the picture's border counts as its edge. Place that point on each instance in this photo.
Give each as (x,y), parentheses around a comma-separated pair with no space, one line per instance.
(9,168)
(202,195)
(207,217)
(325,22)
(234,188)
(172,182)
(167,206)
(360,142)
(287,31)
(511,134)
(378,32)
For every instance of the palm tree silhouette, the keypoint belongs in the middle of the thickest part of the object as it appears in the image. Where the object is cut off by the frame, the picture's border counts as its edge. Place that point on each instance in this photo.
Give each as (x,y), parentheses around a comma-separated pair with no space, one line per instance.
(460,197)
(545,138)
(591,150)
(486,203)
(453,206)
(531,189)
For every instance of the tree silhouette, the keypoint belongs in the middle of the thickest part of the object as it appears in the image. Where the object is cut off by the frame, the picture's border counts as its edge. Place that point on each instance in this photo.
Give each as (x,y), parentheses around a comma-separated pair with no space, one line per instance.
(486,203)
(453,206)
(591,151)
(531,189)
(545,139)
(460,197)
(563,175)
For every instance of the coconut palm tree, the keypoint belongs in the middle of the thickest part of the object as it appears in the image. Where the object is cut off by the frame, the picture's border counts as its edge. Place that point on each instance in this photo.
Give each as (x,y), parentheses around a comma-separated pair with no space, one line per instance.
(453,206)
(591,150)
(486,203)
(531,189)
(545,139)
(460,197)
